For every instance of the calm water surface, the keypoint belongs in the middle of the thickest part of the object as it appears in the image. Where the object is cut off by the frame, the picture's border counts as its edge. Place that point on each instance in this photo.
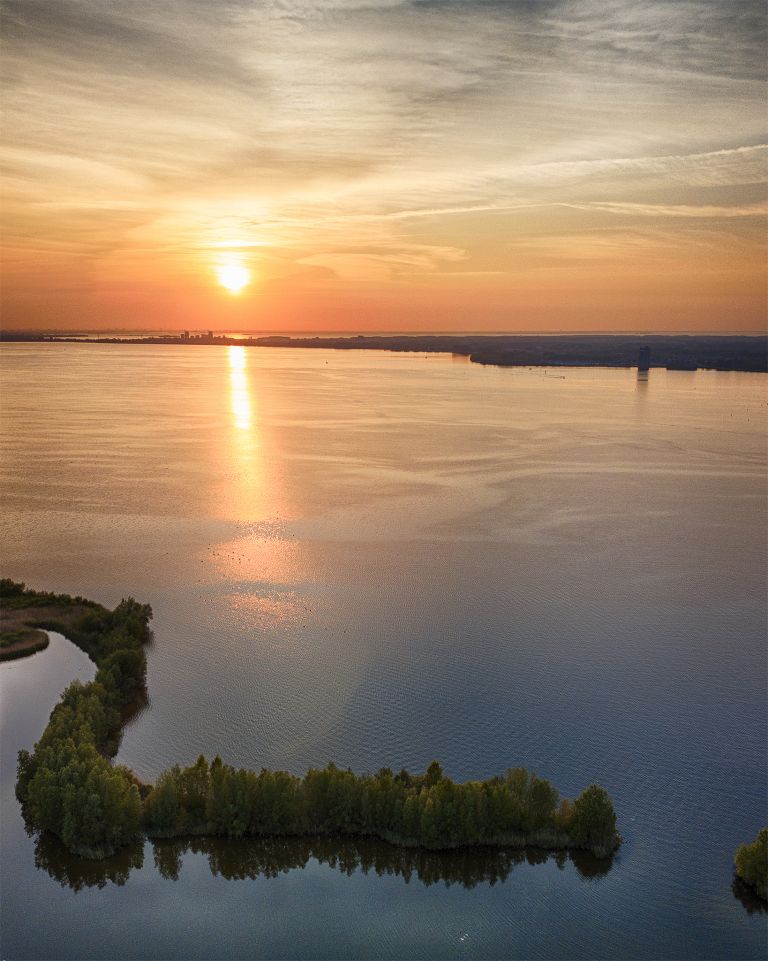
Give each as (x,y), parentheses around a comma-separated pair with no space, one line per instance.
(381,559)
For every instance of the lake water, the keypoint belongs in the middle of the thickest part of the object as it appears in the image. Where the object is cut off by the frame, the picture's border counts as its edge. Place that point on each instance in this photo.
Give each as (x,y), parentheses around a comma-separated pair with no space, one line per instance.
(381,559)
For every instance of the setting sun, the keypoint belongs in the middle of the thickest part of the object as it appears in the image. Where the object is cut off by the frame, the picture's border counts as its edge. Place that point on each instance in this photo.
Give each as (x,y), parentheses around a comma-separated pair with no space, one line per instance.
(233,276)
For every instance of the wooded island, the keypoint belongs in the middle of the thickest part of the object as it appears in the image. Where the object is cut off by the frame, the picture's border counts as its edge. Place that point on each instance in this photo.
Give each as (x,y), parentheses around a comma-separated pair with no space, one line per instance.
(68,786)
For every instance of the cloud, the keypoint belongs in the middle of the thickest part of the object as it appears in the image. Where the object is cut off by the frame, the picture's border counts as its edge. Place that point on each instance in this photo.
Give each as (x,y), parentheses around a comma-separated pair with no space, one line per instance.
(678,210)
(377,138)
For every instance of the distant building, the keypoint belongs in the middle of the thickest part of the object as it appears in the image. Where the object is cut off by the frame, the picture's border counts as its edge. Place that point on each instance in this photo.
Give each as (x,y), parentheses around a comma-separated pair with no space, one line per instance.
(644,359)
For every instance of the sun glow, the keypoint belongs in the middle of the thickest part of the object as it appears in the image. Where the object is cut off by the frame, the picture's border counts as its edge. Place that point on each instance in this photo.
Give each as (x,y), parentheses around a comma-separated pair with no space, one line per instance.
(233,275)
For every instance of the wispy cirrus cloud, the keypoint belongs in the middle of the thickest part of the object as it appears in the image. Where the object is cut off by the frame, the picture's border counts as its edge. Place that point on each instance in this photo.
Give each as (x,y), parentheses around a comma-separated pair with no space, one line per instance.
(378,139)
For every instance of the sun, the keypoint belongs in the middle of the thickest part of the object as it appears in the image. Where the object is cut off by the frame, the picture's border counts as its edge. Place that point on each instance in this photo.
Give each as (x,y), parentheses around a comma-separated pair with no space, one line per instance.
(233,276)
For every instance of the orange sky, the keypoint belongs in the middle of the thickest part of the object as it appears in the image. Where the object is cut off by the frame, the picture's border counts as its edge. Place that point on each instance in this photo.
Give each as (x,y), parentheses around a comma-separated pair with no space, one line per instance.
(385,164)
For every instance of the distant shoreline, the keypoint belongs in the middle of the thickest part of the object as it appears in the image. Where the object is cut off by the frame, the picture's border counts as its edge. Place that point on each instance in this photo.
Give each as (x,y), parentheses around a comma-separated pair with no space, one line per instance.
(746,353)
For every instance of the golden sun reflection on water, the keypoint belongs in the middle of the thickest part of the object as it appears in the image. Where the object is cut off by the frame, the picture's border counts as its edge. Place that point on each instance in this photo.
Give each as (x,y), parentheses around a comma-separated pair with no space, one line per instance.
(252,491)
(240,396)
(242,495)
(262,568)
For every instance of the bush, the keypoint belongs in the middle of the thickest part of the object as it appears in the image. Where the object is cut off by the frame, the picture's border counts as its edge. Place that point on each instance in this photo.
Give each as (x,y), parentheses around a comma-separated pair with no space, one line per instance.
(751,862)
(9,588)
(593,822)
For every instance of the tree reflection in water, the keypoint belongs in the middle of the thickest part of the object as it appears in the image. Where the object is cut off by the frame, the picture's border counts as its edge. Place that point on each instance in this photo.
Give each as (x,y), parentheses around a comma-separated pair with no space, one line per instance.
(753,903)
(254,858)
(270,857)
(77,873)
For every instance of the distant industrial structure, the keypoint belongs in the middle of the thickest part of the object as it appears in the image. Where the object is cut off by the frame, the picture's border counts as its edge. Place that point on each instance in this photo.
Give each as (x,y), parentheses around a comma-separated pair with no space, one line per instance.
(207,338)
(644,360)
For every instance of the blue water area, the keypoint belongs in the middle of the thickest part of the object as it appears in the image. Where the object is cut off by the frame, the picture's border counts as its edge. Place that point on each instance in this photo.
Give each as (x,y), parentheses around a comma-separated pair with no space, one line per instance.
(380,560)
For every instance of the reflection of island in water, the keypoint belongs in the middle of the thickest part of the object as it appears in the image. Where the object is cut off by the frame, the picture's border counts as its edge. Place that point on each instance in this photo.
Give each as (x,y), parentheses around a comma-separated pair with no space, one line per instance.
(237,860)
(753,903)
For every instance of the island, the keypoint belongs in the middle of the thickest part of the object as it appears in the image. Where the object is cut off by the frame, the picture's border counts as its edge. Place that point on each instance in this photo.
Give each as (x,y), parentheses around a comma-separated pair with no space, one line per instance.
(68,786)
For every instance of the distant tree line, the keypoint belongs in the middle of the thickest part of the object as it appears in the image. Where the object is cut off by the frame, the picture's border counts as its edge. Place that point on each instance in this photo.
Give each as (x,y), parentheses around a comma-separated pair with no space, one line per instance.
(68,786)
(14,594)
(673,351)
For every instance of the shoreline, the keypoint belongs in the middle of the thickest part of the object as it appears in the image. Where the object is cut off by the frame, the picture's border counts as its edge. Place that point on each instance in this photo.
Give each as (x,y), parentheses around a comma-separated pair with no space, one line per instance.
(31,622)
(745,353)
(34,641)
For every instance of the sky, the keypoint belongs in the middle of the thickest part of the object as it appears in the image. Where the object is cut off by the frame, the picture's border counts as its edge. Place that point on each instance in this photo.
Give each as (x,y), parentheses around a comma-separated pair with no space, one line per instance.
(384,165)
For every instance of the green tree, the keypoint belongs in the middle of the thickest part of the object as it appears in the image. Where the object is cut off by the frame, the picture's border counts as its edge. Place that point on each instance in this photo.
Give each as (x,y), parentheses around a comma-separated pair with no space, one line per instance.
(593,824)
(434,774)
(162,810)
(751,862)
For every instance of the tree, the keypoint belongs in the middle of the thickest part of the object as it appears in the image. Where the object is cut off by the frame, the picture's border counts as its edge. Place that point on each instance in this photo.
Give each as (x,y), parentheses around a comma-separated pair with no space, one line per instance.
(751,862)
(542,801)
(593,824)
(434,774)
(162,810)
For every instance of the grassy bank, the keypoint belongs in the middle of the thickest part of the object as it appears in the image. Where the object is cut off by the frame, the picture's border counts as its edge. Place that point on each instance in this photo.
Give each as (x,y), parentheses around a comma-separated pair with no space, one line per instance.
(23,613)
(21,642)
